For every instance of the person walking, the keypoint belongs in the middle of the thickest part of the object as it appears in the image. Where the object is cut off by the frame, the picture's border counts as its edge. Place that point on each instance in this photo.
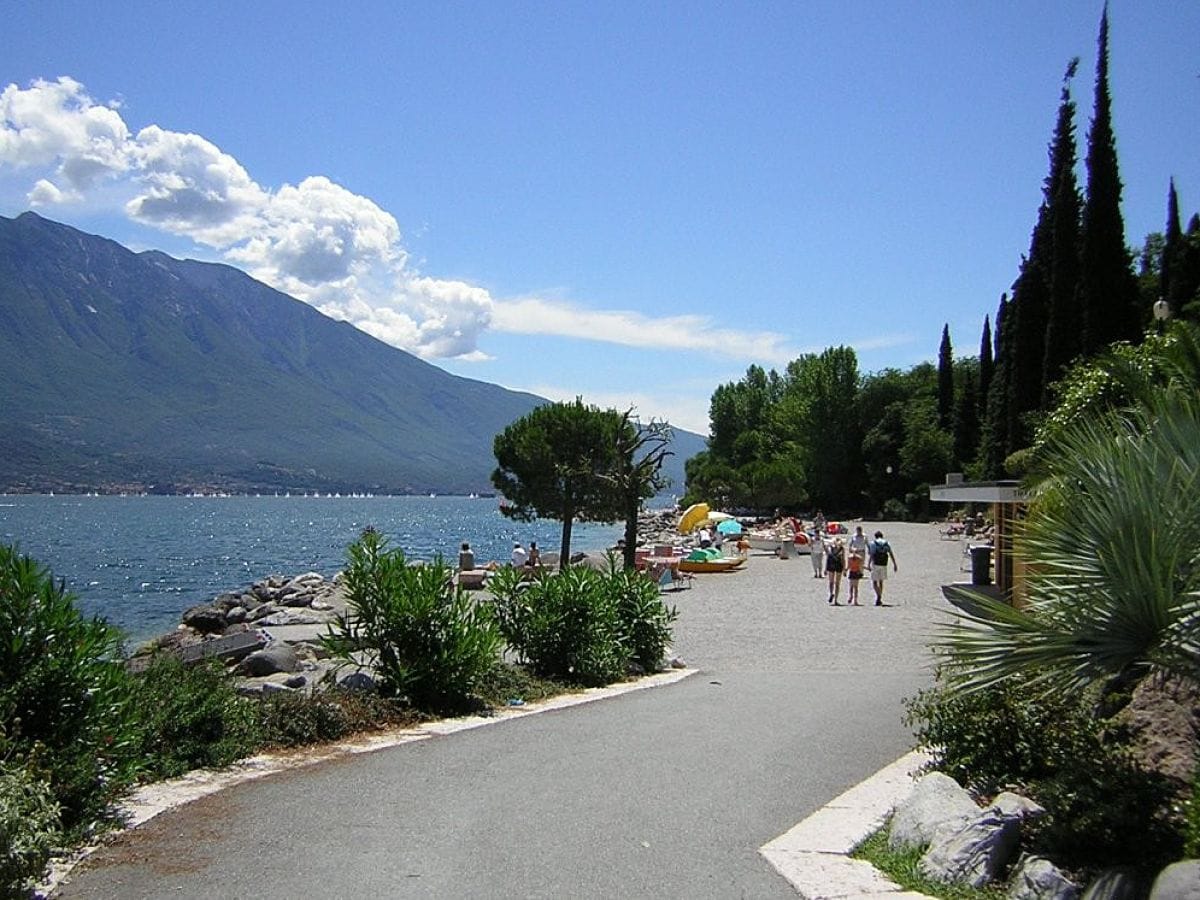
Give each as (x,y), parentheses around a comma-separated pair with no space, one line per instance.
(879,552)
(835,564)
(854,572)
(858,543)
(816,545)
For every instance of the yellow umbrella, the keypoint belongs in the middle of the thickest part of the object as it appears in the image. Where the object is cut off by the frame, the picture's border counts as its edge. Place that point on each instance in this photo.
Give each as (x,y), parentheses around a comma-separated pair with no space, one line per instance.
(693,516)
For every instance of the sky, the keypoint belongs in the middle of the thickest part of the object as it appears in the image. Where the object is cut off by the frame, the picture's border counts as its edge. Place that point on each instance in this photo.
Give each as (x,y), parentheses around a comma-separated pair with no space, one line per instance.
(623,201)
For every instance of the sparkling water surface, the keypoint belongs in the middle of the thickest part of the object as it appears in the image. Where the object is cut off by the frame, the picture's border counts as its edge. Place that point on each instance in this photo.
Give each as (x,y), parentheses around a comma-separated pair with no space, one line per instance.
(141,561)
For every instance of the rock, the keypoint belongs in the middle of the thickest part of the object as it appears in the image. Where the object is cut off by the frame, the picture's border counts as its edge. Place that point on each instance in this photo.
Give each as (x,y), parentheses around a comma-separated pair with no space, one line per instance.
(270,687)
(277,657)
(677,663)
(236,615)
(1178,881)
(262,612)
(1164,718)
(1023,808)
(296,598)
(1039,879)
(205,619)
(249,688)
(288,617)
(935,800)
(974,852)
(1115,884)
(358,681)
(321,605)
(296,681)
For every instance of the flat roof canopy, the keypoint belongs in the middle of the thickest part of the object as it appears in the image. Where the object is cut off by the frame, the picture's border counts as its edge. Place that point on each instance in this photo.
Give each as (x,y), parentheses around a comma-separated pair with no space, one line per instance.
(978,492)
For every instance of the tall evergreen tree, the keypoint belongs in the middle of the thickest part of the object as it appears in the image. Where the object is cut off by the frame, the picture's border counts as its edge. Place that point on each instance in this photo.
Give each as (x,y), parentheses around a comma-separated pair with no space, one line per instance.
(945,395)
(994,445)
(985,366)
(1172,244)
(1107,286)
(966,418)
(1061,340)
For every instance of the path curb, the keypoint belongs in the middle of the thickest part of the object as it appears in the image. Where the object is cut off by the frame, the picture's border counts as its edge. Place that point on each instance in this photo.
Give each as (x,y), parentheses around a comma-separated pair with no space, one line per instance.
(814,856)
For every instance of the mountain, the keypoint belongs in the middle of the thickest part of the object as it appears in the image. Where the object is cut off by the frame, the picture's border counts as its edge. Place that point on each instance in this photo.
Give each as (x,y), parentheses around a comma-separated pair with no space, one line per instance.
(137,371)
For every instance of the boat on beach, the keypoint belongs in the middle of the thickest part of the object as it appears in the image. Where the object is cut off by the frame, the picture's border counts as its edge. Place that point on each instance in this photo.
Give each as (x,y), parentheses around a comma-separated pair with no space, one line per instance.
(724,564)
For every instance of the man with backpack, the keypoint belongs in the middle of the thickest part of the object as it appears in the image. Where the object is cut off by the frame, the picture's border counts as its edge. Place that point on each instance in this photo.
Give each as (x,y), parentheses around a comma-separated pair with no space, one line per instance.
(879,552)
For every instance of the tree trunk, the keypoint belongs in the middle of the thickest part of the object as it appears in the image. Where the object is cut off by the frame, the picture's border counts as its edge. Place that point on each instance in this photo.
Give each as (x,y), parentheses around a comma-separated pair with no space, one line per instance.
(564,558)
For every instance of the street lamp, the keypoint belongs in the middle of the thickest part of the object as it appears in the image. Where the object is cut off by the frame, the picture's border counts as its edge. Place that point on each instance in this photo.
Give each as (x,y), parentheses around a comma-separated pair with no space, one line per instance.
(1162,312)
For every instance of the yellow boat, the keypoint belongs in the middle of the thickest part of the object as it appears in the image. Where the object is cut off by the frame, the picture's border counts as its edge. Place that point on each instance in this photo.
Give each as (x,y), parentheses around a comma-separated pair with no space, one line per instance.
(725,564)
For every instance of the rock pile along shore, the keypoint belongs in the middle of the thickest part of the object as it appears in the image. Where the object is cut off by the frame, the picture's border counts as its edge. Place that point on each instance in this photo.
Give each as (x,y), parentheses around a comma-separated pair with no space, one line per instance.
(269,633)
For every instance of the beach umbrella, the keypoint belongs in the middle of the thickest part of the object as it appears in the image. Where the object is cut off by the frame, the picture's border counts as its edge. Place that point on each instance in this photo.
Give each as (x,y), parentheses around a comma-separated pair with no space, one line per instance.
(692,516)
(730,526)
(716,516)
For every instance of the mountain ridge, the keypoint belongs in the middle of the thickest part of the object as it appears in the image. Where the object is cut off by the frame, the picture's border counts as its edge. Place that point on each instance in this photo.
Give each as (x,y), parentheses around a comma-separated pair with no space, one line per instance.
(140,372)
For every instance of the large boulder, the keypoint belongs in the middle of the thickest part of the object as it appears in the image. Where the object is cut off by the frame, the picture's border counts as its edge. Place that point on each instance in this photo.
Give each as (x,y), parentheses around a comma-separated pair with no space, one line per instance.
(277,657)
(207,619)
(934,801)
(1039,879)
(1178,881)
(972,853)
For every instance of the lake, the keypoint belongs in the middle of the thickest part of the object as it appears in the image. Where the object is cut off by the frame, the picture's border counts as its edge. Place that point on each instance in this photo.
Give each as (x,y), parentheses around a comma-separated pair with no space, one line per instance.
(141,561)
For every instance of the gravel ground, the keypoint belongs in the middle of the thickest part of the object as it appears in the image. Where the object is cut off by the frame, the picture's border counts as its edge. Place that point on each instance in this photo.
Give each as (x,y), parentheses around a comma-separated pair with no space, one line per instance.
(772,615)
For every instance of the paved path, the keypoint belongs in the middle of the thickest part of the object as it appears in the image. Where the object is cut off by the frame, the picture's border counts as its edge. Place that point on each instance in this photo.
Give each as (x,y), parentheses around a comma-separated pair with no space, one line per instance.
(664,793)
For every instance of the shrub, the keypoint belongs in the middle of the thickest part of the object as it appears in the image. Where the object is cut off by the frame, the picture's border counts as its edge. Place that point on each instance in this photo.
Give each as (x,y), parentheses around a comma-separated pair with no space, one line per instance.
(1102,808)
(645,621)
(29,829)
(64,693)
(582,625)
(191,717)
(426,638)
(297,719)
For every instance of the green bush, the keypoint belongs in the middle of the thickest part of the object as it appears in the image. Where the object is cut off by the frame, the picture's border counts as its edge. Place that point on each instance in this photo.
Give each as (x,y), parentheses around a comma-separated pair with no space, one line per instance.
(581,625)
(426,638)
(64,693)
(190,717)
(1102,809)
(645,621)
(29,829)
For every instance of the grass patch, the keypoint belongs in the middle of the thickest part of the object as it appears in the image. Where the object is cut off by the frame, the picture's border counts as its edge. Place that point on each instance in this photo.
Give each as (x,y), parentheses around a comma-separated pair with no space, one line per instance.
(901,866)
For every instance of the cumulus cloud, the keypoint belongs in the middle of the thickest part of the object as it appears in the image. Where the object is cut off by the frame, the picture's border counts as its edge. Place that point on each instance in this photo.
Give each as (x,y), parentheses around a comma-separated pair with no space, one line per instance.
(314,240)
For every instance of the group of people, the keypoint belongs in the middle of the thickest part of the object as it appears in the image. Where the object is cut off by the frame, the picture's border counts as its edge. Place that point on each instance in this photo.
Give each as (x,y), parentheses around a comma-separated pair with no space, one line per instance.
(520,558)
(833,558)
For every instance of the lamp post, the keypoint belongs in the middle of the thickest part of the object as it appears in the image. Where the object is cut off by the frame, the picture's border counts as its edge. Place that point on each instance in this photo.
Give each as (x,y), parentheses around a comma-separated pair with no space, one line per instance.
(1162,312)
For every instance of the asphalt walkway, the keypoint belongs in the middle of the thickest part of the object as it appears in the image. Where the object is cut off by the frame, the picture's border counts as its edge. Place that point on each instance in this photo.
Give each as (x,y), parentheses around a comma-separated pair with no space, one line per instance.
(658,793)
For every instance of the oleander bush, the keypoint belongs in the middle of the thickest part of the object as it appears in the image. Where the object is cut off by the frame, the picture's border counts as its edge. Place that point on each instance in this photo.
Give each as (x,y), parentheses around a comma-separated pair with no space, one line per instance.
(298,719)
(426,638)
(581,625)
(1102,808)
(190,717)
(644,620)
(65,698)
(29,828)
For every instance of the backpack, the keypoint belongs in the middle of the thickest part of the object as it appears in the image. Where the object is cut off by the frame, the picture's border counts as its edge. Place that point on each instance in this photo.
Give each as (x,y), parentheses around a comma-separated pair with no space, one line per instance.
(879,555)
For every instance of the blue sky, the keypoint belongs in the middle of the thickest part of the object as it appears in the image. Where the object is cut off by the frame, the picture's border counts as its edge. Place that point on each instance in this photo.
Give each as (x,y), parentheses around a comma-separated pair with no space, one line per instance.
(628,201)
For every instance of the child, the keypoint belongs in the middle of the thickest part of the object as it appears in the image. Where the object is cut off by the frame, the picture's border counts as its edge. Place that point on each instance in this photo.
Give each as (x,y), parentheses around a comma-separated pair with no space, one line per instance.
(854,571)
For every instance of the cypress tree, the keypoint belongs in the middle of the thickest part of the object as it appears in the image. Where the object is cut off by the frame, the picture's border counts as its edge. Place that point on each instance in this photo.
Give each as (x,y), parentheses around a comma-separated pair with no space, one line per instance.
(985,365)
(1061,340)
(1108,289)
(1172,243)
(994,445)
(966,420)
(945,382)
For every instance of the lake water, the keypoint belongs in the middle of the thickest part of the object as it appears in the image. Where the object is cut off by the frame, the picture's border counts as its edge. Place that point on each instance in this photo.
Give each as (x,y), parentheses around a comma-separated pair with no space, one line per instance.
(141,561)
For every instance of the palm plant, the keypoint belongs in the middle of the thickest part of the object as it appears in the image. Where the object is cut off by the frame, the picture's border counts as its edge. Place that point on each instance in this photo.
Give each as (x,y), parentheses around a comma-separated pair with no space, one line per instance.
(1114,538)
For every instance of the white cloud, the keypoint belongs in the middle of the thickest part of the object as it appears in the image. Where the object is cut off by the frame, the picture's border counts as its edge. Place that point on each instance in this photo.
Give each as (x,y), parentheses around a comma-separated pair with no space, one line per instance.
(531,315)
(686,410)
(314,240)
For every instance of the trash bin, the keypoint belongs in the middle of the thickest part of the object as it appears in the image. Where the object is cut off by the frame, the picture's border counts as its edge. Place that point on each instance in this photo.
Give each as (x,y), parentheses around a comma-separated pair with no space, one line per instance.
(981,564)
